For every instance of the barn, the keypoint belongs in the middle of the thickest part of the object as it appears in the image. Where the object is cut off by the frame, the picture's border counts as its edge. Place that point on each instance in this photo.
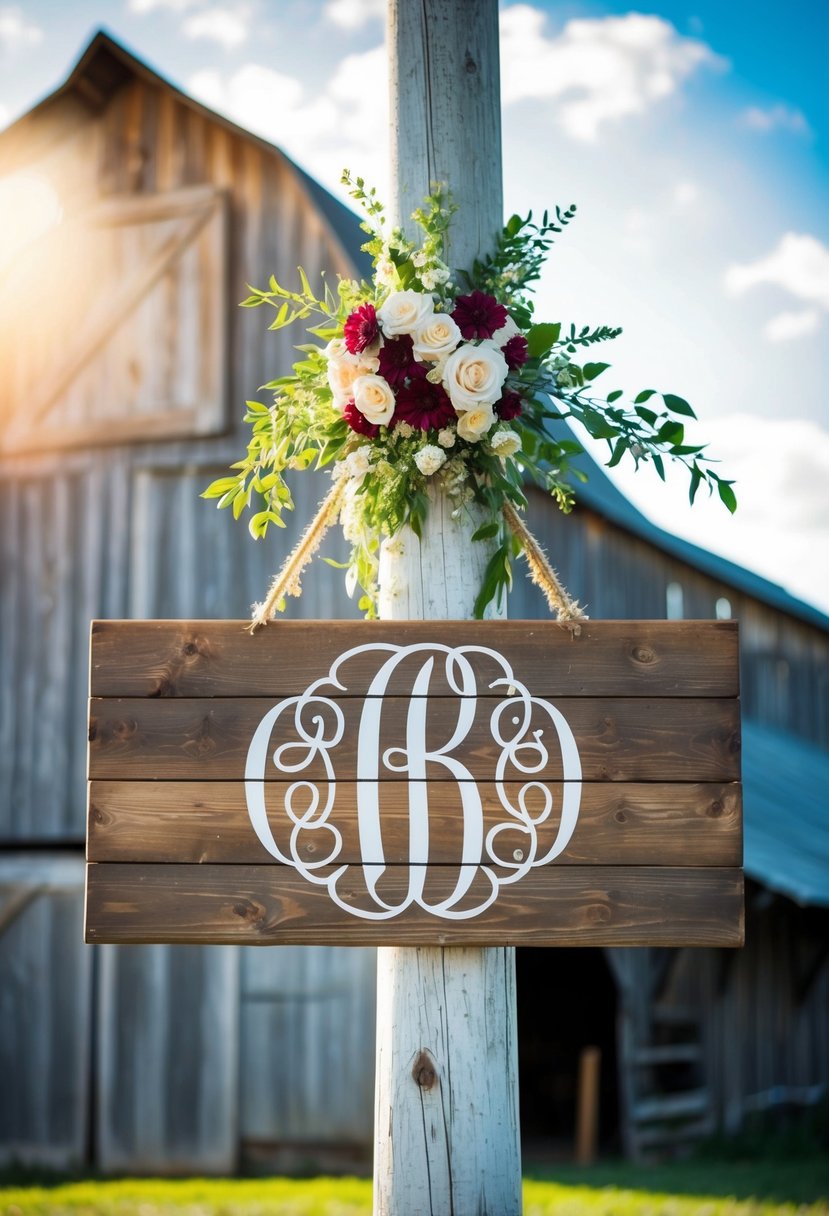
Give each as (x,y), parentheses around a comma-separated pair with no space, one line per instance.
(126,365)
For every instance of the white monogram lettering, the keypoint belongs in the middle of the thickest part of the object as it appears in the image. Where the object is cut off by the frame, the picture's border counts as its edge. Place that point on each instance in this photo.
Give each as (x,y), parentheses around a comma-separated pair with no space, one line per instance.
(520,725)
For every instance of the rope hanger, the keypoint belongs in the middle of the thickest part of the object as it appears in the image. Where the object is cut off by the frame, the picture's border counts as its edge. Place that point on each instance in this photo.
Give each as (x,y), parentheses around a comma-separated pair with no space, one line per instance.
(287,580)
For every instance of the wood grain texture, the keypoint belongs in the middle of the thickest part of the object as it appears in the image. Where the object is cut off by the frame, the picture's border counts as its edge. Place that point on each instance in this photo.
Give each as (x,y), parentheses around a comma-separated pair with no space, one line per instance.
(630,739)
(573,906)
(221,658)
(208,822)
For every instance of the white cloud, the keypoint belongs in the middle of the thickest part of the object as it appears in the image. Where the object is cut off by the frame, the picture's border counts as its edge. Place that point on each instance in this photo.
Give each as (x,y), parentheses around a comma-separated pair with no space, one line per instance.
(149,6)
(775,118)
(352,14)
(346,124)
(781,527)
(230,27)
(686,194)
(598,70)
(788,325)
(799,265)
(16,33)
(254,96)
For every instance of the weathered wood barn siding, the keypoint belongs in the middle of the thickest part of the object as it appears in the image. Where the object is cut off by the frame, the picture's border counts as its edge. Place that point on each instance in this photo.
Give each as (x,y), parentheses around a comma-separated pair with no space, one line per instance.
(100,519)
(747,1025)
(126,364)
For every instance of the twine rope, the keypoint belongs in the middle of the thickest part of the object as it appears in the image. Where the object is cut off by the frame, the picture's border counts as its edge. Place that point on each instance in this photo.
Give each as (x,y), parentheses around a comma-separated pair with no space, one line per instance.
(287,580)
(541,572)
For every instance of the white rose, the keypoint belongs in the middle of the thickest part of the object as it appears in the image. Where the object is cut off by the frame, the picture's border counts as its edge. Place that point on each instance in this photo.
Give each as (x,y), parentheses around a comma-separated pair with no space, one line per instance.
(446,437)
(404,312)
(429,459)
(374,399)
(436,339)
(505,443)
(344,369)
(474,375)
(473,424)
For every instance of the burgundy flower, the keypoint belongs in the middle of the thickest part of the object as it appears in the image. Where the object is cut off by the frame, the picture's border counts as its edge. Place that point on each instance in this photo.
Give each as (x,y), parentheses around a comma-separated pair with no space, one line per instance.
(358,421)
(397,360)
(361,329)
(515,352)
(479,315)
(425,405)
(509,406)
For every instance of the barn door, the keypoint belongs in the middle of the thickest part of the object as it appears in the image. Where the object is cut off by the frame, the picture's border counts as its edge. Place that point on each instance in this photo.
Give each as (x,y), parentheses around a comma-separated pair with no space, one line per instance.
(113,327)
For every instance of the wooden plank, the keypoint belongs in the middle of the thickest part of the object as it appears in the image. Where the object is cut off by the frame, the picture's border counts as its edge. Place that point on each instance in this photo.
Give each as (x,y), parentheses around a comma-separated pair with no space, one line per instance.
(202,822)
(618,739)
(221,658)
(572,906)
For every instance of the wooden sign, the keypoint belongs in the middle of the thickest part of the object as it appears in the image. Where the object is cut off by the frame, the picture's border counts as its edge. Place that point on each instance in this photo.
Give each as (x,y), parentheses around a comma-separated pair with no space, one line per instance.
(421,782)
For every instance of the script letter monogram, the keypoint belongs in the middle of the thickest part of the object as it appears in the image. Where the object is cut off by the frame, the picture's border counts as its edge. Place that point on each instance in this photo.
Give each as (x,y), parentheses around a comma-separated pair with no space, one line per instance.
(522,727)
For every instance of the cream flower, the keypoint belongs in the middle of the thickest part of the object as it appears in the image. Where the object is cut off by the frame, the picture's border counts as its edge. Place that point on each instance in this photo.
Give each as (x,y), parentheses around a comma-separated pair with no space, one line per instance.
(473,424)
(404,312)
(446,437)
(505,443)
(436,339)
(473,376)
(429,459)
(344,369)
(358,462)
(374,399)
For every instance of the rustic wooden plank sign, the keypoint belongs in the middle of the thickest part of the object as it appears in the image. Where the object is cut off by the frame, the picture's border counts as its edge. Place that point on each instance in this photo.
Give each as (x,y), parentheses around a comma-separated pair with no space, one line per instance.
(421,782)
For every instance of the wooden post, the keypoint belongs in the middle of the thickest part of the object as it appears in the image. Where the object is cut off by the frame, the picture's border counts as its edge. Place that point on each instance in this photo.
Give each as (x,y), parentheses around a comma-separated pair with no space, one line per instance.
(446,1115)
(587,1105)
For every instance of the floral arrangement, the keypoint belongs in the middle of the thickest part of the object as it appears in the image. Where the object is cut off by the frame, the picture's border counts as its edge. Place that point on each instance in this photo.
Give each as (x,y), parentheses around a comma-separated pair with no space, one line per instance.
(423,379)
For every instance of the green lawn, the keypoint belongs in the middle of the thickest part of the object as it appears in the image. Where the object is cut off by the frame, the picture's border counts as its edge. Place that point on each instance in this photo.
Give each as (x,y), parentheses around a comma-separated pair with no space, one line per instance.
(614,1191)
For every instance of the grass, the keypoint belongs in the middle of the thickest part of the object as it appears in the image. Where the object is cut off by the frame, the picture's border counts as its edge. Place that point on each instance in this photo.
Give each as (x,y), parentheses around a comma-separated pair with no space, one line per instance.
(800,1181)
(615,1190)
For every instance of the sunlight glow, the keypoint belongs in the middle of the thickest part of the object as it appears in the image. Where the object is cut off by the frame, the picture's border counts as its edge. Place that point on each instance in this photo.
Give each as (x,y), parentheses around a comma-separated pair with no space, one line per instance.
(29,207)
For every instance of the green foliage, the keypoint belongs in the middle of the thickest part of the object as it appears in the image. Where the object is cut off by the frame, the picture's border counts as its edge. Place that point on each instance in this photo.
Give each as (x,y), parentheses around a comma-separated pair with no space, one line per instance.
(385,488)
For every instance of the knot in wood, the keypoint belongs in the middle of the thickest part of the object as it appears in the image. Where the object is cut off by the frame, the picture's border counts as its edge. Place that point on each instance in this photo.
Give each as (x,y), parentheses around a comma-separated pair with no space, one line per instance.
(644,654)
(423,1071)
(715,809)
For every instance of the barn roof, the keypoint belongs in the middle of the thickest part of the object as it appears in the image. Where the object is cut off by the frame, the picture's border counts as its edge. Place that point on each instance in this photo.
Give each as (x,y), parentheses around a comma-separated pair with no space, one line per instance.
(601,495)
(786,827)
(105,65)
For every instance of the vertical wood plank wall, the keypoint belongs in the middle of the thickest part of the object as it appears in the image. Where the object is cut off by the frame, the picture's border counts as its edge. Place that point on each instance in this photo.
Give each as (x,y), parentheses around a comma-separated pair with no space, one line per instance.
(120,531)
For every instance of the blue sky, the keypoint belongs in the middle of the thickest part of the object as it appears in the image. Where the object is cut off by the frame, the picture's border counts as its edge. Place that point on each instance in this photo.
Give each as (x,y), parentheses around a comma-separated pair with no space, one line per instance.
(693,137)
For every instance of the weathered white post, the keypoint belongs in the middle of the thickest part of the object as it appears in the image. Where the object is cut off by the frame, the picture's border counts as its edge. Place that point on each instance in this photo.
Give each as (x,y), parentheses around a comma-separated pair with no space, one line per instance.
(446,1116)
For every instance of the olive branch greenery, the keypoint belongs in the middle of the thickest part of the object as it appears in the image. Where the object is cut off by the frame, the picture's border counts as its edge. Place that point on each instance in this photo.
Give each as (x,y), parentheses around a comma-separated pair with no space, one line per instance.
(302,427)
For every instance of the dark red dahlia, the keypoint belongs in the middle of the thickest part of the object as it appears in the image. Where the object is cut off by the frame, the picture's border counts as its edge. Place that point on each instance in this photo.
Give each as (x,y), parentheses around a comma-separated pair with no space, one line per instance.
(397,360)
(425,405)
(515,352)
(358,421)
(361,329)
(509,406)
(478,315)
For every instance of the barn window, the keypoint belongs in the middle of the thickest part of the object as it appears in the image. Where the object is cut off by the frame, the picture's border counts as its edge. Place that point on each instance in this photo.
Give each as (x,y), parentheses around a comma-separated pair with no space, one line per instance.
(674,602)
(722,608)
